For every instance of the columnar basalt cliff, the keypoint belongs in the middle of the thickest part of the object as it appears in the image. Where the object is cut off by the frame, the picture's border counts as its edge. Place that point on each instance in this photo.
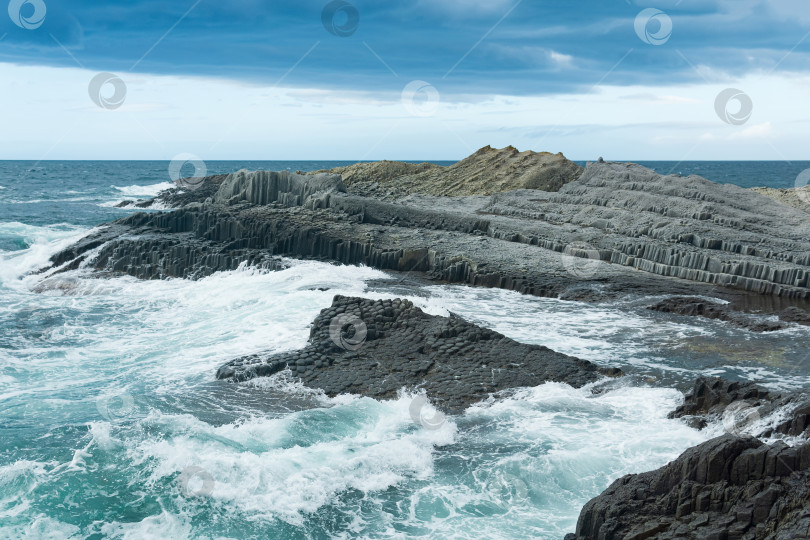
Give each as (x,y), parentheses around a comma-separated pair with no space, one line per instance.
(645,232)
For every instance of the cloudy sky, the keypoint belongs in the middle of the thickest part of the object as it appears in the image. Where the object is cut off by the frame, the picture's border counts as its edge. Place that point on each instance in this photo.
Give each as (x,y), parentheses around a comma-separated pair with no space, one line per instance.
(405,79)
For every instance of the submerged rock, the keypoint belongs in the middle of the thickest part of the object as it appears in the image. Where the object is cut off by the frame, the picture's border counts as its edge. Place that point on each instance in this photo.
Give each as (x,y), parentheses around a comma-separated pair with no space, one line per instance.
(376,348)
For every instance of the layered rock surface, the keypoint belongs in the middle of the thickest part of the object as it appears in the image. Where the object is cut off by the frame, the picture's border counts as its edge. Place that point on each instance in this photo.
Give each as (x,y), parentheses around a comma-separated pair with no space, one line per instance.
(798,197)
(619,228)
(486,172)
(727,488)
(376,348)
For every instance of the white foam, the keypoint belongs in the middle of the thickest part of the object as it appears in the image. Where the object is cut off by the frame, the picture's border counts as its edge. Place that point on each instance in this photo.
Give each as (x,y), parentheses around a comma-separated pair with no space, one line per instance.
(159,527)
(602,334)
(43,243)
(145,191)
(157,205)
(565,445)
(368,446)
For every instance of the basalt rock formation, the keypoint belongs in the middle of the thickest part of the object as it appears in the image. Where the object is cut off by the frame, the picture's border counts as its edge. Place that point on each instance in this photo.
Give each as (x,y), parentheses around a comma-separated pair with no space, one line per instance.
(700,307)
(741,406)
(618,229)
(727,488)
(731,487)
(798,197)
(486,172)
(376,348)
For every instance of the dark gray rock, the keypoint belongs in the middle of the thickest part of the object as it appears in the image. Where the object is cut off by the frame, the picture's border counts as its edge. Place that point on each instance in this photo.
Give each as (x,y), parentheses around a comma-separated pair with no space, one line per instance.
(713,309)
(740,404)
(731,487)
(699,307)
(375,348)
(727,488)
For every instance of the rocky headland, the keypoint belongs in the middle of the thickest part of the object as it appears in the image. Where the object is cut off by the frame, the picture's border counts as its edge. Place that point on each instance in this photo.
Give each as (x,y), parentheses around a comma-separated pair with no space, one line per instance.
(538,224)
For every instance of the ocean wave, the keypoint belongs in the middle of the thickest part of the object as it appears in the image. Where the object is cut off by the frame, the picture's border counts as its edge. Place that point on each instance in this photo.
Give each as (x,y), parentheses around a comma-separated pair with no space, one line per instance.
(285,468)
(144,191)
(39,201)
(154,206)
(43,242)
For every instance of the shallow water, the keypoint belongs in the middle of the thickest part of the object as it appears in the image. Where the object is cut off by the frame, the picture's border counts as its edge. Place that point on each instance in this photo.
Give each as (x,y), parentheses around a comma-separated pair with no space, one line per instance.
(112,425)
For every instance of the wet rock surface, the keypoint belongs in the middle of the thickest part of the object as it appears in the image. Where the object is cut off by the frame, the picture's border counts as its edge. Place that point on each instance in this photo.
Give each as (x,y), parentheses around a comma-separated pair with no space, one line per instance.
(700,307)
(731,487)
(741,405)
(376,348)
(727,488)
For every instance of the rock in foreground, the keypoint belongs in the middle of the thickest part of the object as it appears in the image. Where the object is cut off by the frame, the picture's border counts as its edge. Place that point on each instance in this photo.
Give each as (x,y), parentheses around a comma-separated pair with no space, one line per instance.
(726,488)
(375,348)
(731,487)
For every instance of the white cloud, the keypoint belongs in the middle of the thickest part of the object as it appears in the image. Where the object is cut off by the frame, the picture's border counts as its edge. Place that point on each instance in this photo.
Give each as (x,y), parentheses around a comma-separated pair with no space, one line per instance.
(758,131)
(562,60)
(53,118)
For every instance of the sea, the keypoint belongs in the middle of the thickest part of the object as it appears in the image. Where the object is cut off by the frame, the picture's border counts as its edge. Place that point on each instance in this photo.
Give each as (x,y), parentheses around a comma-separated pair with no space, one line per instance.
(112,425)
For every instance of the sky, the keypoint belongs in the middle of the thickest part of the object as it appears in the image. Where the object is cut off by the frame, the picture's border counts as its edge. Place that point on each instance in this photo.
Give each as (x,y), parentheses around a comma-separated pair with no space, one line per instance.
(405,79)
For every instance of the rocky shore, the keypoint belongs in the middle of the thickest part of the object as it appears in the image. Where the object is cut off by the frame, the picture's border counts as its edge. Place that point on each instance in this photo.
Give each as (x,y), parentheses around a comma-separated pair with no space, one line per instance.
(540,225)
(731,487)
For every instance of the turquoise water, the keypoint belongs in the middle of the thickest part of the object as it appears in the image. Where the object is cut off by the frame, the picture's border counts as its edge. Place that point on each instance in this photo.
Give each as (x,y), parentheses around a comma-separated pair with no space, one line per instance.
(112,425)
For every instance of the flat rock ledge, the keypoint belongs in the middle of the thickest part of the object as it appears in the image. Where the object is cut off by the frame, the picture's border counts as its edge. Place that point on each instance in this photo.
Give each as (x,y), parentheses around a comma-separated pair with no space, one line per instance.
(728,488)
(709,309)
(377,347)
